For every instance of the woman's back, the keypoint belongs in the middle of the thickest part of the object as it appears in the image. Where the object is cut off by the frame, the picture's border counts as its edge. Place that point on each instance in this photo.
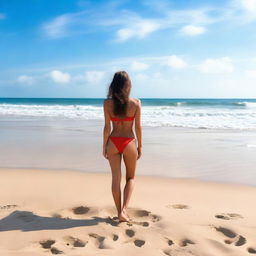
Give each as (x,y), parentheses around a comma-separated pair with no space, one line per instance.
(122,126)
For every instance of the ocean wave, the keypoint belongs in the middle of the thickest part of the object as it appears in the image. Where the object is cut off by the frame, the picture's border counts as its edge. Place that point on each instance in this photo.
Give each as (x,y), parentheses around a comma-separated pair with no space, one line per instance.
(65,111)
(218,103)
(182,116)
(247,104)
(213,104)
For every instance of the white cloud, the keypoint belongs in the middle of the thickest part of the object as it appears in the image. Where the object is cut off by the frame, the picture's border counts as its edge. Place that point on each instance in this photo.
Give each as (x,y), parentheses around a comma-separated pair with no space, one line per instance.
(157,75)
(175,62)
(122,66)
(141,77)
(251,74)
(139,66)
(60,77)
(127,24)
(124,34)
(249,5)
(221,65)
(243,10)
(94,76)
(192,30)
(138,29)
(24,79)
(58,26)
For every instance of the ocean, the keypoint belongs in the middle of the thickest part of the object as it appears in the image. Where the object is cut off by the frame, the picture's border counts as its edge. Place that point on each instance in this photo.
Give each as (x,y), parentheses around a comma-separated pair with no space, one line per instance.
(237,114)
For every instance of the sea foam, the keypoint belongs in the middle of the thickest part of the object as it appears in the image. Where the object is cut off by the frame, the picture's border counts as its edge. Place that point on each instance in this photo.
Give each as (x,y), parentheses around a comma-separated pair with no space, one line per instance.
(208,114)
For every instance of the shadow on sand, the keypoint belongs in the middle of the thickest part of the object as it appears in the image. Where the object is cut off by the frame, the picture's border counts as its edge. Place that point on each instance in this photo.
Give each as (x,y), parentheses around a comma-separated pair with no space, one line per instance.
(28,221)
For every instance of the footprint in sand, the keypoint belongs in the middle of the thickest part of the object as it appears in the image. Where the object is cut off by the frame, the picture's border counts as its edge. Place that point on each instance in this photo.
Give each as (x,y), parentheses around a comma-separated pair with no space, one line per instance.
(145,215)
(181,249)
(140,223)
(227,241)
(240,241)
(237,240)
(228,216)
(47,244)
(178,206)
(225,231)
(251,250)
(169,241)
(55,250)
(75,242)
(98,240)
(155,218)
(139,242)
(76,210)
(8,206)
(140,213)
(167,252)
(182,244)
(115,237)
(80,210)
(56,215)
(185,242)
(130,232)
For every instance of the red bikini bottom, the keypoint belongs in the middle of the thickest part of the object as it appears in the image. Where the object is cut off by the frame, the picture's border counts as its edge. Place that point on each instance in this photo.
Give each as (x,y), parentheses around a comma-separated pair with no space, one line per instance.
(120,142)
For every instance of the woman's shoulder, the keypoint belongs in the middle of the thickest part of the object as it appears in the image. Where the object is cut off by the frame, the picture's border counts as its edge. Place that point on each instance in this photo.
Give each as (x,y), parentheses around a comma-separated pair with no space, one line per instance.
(137,103)
(135,100)
(107,101)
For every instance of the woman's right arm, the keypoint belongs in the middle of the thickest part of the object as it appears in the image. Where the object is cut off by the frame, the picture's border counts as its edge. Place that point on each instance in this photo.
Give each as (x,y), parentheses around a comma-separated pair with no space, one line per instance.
(138,129)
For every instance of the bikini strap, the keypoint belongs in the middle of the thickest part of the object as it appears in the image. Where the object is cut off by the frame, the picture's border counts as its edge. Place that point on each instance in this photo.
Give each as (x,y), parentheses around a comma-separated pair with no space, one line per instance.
(128,118)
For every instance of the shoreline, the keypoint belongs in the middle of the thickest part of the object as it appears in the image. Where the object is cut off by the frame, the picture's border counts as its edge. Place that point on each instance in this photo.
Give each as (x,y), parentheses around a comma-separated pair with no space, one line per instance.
(189,179)
(99,122)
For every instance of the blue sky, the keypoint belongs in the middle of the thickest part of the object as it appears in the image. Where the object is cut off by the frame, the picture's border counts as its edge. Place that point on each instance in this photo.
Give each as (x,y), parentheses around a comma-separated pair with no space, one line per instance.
(169,48)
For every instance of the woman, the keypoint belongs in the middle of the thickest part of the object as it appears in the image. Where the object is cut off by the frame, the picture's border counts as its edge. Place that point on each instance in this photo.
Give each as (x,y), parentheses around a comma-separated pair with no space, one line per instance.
(120,142)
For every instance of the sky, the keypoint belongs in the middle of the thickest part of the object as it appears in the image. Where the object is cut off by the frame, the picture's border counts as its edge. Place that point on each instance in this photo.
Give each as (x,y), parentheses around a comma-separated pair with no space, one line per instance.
(170,49)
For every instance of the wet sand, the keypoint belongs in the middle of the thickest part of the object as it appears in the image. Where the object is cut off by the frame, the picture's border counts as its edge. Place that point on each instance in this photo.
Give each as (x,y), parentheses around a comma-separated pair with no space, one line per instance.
(216,155)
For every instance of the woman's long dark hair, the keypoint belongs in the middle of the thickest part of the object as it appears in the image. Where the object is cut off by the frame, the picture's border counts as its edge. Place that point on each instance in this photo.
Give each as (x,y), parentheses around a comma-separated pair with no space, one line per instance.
(119,91)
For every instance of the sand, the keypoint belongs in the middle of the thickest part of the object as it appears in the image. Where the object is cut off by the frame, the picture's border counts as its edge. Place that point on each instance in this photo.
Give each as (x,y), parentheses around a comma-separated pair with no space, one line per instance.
(45,212)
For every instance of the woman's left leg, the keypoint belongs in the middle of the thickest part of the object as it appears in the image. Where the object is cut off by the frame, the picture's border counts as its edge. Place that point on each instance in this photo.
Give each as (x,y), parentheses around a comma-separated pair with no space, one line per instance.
(114,158)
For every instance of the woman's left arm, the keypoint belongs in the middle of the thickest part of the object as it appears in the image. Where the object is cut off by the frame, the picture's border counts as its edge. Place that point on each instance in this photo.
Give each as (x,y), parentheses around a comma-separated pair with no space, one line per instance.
(106,130)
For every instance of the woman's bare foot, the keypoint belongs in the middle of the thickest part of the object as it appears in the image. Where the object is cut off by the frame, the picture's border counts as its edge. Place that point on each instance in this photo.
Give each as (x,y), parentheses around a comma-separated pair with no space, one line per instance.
(125,212)
(123,216)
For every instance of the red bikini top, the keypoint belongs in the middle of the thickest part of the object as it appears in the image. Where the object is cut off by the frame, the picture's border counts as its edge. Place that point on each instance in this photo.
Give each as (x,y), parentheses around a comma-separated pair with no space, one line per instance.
(128,118)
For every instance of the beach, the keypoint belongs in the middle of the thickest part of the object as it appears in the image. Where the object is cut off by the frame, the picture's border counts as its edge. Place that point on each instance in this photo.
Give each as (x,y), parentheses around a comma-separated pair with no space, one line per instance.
(194,187)
(76,75)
